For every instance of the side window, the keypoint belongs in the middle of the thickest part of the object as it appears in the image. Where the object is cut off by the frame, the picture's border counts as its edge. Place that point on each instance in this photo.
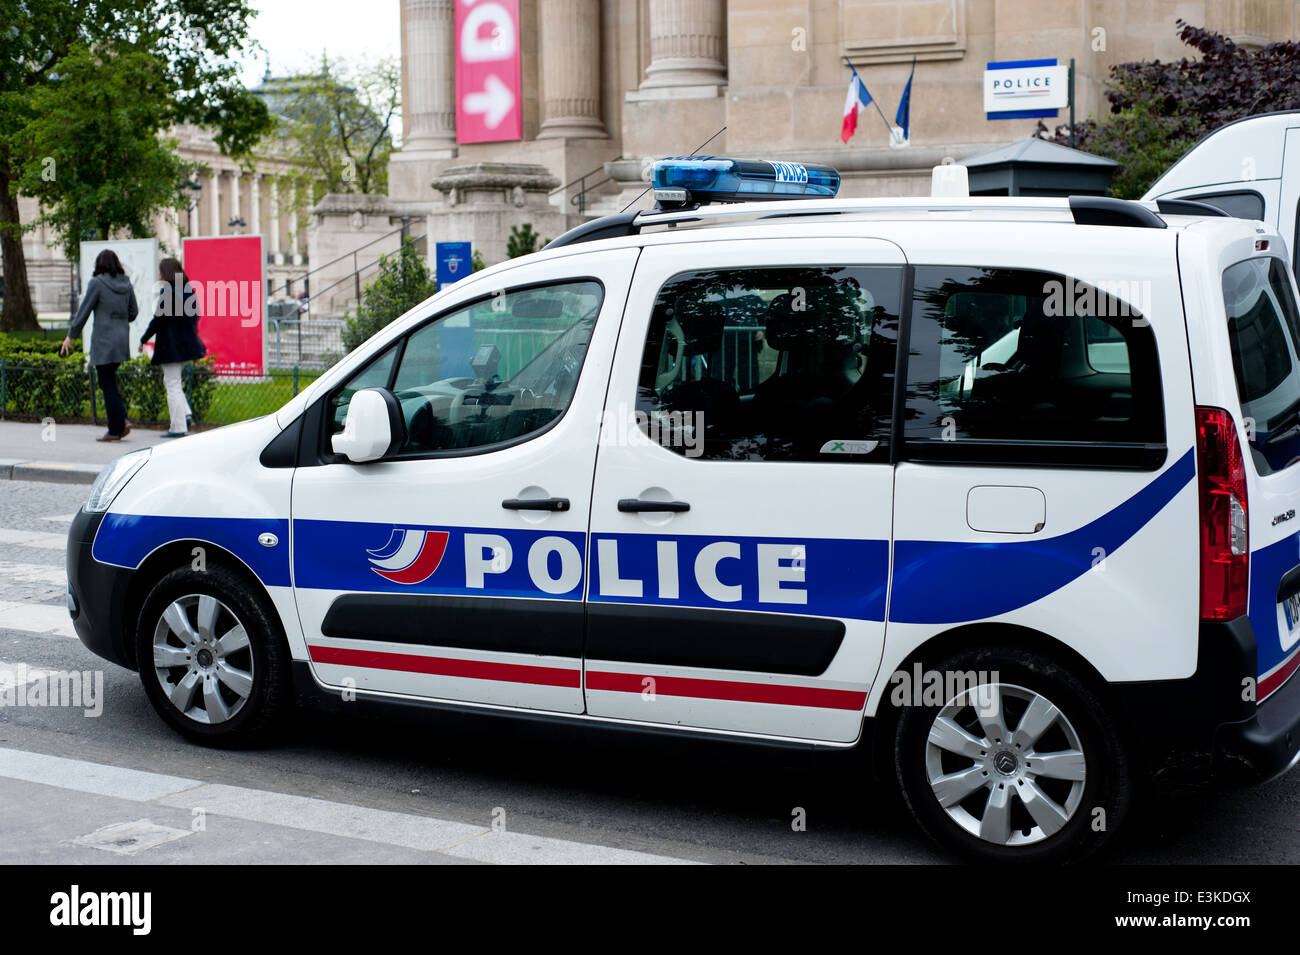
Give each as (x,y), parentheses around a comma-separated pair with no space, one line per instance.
(1263,334)
(1029,367)
(773,364)
(498,370)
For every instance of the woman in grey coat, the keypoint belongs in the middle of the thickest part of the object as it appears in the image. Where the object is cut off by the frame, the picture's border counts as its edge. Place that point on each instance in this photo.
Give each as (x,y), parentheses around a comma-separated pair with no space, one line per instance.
(110,296)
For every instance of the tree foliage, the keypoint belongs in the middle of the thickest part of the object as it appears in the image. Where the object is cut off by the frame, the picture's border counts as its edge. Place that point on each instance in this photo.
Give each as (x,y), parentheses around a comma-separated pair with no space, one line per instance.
(1160,110)
(523,241)
(337,123)
(105,165)
(183,55)
(403,282)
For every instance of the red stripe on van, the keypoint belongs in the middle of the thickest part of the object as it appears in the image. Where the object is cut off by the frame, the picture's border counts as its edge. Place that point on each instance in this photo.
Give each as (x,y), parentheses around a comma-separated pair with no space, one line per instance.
(1279,676)
(728,690)
(447,666)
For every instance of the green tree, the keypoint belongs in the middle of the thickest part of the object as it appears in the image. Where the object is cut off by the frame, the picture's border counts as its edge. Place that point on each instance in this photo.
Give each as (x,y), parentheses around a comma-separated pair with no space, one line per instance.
(523,241)
(1160,110)
(105,165)
(337,124)
(188,49)
(403,282)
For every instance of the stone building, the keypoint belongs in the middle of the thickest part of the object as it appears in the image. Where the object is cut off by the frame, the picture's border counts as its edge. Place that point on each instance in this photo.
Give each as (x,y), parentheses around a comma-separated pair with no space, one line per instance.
(608,84)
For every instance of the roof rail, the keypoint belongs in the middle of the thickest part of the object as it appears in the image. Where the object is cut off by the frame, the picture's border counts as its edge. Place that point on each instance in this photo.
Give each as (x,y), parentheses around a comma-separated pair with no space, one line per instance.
(606,227)
(1188,207)
(1103,210)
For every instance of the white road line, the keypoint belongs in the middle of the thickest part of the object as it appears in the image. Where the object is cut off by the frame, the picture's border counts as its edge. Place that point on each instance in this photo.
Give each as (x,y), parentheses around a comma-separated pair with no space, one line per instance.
(84,777)
(53,574)
(407,830)
(60,518)
(50,619)
(43,539)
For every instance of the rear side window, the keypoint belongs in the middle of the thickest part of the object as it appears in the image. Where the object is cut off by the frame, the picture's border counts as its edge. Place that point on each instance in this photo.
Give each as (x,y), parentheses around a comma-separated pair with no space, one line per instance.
(1247,204)
(1263,329)
(773,364)
(1025,367)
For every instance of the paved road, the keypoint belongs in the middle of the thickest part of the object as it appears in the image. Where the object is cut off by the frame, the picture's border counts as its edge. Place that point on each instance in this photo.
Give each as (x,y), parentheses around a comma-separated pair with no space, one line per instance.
(121,787)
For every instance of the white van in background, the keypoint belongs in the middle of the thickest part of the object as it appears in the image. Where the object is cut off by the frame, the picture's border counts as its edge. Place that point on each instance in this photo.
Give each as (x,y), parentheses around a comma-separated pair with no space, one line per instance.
(1250,169)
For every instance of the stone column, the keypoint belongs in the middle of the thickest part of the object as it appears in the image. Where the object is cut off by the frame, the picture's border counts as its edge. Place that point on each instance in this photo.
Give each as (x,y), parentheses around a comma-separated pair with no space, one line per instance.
(234,197)
(686,43)
(293,225)
(569,44)
(428,76)
(255,205)
(275,220)
(214,202)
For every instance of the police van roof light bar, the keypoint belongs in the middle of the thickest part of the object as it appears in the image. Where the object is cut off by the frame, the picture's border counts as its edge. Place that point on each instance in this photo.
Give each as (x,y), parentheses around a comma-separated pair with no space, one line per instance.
(699,180)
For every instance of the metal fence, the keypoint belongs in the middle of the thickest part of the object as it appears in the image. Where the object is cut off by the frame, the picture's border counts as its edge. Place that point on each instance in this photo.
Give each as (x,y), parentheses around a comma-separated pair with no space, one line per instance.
(311,343)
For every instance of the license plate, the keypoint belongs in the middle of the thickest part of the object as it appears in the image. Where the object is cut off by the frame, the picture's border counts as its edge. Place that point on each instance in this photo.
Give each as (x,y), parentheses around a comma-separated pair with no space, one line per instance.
(1291,607)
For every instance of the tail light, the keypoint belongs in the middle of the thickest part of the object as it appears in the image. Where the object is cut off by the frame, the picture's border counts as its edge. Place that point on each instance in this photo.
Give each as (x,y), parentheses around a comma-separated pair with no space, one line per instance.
(1225,544)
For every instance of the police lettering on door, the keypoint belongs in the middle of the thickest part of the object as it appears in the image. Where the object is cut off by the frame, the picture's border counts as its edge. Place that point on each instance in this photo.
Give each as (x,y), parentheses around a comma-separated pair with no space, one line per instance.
(825,577)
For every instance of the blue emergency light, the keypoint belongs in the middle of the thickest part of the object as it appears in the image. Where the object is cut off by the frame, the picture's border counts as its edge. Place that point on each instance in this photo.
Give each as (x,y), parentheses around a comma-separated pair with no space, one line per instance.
(687,180)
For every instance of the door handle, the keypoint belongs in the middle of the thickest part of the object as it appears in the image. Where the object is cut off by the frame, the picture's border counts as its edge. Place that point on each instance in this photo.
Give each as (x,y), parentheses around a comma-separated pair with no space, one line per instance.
(632,505)
(536,504)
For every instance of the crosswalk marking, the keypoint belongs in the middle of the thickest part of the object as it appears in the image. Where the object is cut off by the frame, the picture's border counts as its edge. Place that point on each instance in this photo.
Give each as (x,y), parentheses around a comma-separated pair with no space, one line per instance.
(407,830)
(41,539)
(36,618)
(53,574)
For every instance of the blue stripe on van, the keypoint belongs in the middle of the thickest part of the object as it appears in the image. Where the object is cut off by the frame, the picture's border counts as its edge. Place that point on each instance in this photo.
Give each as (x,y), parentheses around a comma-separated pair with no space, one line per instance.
(127,539)
(952,582)
(1268,566)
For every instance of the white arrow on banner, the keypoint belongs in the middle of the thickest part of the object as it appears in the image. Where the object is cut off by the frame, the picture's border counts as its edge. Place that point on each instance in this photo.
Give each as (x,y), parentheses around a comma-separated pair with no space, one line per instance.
(495,102)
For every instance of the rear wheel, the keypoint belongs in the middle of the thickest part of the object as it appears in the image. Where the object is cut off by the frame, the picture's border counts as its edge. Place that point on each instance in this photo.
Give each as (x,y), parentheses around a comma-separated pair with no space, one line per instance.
(1021,766)
(212,658)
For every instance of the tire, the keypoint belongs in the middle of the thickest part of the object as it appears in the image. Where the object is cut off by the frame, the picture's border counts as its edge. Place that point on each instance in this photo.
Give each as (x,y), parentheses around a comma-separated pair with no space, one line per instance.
(236,688)
(988,795)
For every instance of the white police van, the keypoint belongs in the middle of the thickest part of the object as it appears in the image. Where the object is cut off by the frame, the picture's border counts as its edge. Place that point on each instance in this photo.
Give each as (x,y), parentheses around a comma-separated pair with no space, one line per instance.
(1003,489)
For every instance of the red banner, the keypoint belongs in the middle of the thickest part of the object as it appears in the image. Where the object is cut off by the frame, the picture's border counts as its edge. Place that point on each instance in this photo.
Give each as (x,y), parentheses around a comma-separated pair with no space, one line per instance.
(228,274)
(488,86)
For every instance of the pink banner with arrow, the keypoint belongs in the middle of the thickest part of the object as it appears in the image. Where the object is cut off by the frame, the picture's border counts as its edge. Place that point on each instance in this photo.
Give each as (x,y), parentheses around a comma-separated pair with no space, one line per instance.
(488,85)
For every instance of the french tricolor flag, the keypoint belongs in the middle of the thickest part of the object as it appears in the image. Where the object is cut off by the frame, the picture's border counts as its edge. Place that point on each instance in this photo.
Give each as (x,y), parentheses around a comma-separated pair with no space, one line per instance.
(857,97)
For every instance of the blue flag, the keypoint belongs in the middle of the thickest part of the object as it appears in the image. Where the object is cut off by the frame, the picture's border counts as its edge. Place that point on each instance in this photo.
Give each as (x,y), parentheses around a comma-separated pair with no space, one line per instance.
(904,116)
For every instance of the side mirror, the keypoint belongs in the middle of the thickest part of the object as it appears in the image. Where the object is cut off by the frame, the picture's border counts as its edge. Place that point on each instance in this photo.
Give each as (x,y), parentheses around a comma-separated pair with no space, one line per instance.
(373,428)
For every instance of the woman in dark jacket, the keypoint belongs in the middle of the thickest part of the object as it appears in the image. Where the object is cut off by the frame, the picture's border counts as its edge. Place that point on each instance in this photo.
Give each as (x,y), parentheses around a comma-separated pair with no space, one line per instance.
(176,322)
(110,296)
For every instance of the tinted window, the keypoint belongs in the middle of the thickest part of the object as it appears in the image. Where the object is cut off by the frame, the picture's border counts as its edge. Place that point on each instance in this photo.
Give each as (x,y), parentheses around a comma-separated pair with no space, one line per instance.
(1030,367)
(1240,205)
(1263,330)
(500,369)
(773,364)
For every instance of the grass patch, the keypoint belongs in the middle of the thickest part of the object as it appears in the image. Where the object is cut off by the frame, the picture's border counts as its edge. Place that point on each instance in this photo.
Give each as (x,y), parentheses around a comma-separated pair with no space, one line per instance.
(239,401)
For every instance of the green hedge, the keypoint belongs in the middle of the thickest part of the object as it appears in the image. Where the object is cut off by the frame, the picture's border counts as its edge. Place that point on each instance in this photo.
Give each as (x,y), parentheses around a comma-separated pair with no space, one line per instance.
(146,397)
(40,382)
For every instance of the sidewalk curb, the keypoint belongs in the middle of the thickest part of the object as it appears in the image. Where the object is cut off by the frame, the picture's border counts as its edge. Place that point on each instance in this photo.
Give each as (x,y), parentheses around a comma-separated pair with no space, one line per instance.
(19,469)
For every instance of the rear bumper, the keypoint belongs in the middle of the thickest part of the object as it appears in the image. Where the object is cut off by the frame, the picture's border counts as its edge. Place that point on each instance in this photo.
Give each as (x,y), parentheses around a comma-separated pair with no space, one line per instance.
(1267,744)
(1207,729)
(97,594)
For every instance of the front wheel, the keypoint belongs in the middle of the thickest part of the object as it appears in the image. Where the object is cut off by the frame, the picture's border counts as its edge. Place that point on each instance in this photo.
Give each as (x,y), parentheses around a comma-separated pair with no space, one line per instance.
(1019,764)
(212,658)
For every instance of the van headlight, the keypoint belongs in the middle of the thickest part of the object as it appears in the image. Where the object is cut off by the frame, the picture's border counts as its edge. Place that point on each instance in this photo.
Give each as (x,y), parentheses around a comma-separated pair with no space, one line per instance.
(113,478)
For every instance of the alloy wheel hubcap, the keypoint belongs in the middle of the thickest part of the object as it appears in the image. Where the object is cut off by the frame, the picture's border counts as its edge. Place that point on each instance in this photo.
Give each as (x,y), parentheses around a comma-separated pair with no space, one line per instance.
(1005,764)
(202,658)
